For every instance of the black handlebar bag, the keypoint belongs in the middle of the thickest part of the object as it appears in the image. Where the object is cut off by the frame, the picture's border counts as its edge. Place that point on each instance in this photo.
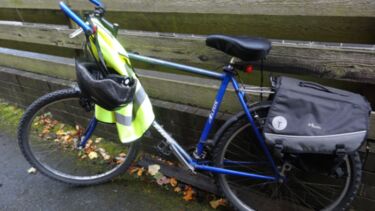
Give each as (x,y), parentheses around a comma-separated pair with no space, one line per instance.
(307,117)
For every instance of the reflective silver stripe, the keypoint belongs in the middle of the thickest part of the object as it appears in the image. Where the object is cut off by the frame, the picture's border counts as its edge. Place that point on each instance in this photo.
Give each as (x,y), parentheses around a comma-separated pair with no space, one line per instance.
(327,143)
(342,135)
(139,97)
(124,120)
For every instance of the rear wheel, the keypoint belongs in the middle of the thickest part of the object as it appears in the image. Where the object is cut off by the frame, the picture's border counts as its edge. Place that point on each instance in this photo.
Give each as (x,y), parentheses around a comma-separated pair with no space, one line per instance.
(48,134)
(314,182)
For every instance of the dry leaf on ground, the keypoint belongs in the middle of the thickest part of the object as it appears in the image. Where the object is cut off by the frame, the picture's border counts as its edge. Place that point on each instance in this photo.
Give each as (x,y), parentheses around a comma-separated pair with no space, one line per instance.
(188,194)
(153,169)
(93,155)
(104,154)
(133,169)
(162,181)
(177,189)
(140,171)
(31,170)
(173,182)
(98,140)
(219,202)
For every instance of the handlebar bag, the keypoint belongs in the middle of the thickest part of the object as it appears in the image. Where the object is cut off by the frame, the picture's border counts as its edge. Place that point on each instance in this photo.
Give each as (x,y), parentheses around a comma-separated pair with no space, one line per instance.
(306,117)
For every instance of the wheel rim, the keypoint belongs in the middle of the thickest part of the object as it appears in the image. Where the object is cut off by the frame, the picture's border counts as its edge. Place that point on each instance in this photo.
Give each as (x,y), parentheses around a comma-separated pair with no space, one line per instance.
(250,194)
(51,138)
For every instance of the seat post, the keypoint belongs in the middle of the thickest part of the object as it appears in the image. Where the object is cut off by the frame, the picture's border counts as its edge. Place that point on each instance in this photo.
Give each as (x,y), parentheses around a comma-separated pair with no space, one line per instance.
(230,68)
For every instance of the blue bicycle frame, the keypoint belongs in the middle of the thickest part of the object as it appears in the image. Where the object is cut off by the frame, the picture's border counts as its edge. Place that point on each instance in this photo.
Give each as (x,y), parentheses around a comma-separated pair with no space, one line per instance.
(226,78)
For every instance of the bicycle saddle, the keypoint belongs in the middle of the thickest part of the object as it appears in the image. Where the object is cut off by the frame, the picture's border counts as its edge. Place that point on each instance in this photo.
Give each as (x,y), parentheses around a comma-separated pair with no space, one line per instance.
(245,48)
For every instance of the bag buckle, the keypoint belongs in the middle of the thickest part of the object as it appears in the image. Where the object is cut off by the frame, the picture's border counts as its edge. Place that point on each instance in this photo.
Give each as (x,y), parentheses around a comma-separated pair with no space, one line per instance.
(278,149)
(340,153)
(340,150)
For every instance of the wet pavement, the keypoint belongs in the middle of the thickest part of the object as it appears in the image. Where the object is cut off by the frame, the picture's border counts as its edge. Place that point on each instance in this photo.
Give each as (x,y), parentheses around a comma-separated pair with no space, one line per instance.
(22,191)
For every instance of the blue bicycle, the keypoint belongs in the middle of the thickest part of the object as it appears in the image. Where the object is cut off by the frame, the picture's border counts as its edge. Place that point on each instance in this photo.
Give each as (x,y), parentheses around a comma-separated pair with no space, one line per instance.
(59,137)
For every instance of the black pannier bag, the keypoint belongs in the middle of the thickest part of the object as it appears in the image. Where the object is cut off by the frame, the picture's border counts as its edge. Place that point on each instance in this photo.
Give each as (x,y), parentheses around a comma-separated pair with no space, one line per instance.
(306,117)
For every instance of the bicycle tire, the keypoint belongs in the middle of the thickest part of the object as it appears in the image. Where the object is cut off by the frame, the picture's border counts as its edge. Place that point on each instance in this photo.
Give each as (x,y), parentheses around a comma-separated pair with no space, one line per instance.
(352,183)
(24,143)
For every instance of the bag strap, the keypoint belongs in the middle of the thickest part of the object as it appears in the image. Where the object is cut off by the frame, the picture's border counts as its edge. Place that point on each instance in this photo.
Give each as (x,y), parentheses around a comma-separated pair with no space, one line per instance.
(314,86)
(340,154)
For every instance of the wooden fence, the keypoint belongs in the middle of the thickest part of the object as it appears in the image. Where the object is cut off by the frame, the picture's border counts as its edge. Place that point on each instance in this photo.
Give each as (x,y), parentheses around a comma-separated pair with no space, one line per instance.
(329,41)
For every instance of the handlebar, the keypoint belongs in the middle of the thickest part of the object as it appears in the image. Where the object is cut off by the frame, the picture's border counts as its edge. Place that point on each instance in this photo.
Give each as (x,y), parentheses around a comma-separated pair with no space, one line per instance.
(97,3)
(86,28)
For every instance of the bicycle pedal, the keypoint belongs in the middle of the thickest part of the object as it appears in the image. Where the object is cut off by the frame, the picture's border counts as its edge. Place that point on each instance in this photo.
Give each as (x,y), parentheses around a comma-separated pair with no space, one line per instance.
(163,148)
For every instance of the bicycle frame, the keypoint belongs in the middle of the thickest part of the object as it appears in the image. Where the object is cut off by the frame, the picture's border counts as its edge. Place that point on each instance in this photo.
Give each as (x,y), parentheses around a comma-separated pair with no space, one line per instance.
(192,164)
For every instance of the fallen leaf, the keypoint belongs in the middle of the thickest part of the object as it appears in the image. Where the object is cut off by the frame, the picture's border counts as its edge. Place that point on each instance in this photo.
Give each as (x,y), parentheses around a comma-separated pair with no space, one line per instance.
(177,189)
(93,155)
(89,143)
(68,138)
(216,203)
(153,169)
(158,175)
(173,182)
(188,194)
(104,154)
(162,181)
(98,140)
(54,122)
(140,172)
(132,170)
(31,170)
(60,132)
(120,160)
(45,131)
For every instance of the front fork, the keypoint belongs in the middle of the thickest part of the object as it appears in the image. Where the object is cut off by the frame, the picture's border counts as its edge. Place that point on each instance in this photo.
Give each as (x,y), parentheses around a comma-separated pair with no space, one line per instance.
(86,136)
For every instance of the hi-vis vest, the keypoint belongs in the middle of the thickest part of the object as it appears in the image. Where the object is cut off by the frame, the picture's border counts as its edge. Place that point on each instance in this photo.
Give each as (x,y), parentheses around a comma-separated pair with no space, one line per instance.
(135,118)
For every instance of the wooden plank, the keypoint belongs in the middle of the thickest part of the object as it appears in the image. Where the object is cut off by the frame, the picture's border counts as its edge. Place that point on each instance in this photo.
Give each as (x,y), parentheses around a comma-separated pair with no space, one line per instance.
(293,27)
(332,61)
(33,15)
(317,21)
(269,7)
(47,34)
(164,86)
(39,63)
(38,48)
(354,8)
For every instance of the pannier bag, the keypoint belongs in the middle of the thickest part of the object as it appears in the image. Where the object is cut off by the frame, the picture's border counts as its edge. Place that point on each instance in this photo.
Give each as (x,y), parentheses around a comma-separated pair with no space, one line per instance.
(306,117)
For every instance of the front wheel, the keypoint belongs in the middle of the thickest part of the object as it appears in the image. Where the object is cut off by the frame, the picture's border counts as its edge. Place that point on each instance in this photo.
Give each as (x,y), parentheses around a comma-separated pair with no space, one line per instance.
(48,134)
(314,182)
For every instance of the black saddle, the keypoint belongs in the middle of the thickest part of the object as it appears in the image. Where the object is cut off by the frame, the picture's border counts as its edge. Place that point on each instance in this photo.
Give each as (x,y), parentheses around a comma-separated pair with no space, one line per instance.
(245,48)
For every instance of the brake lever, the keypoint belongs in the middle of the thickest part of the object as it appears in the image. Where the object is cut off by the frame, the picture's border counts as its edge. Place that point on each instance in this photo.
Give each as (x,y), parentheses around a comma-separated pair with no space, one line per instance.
(76,33)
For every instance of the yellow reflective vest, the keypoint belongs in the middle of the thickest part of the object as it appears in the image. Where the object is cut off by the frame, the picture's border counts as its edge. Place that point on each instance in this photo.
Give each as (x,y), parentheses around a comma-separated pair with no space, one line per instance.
(133,119)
